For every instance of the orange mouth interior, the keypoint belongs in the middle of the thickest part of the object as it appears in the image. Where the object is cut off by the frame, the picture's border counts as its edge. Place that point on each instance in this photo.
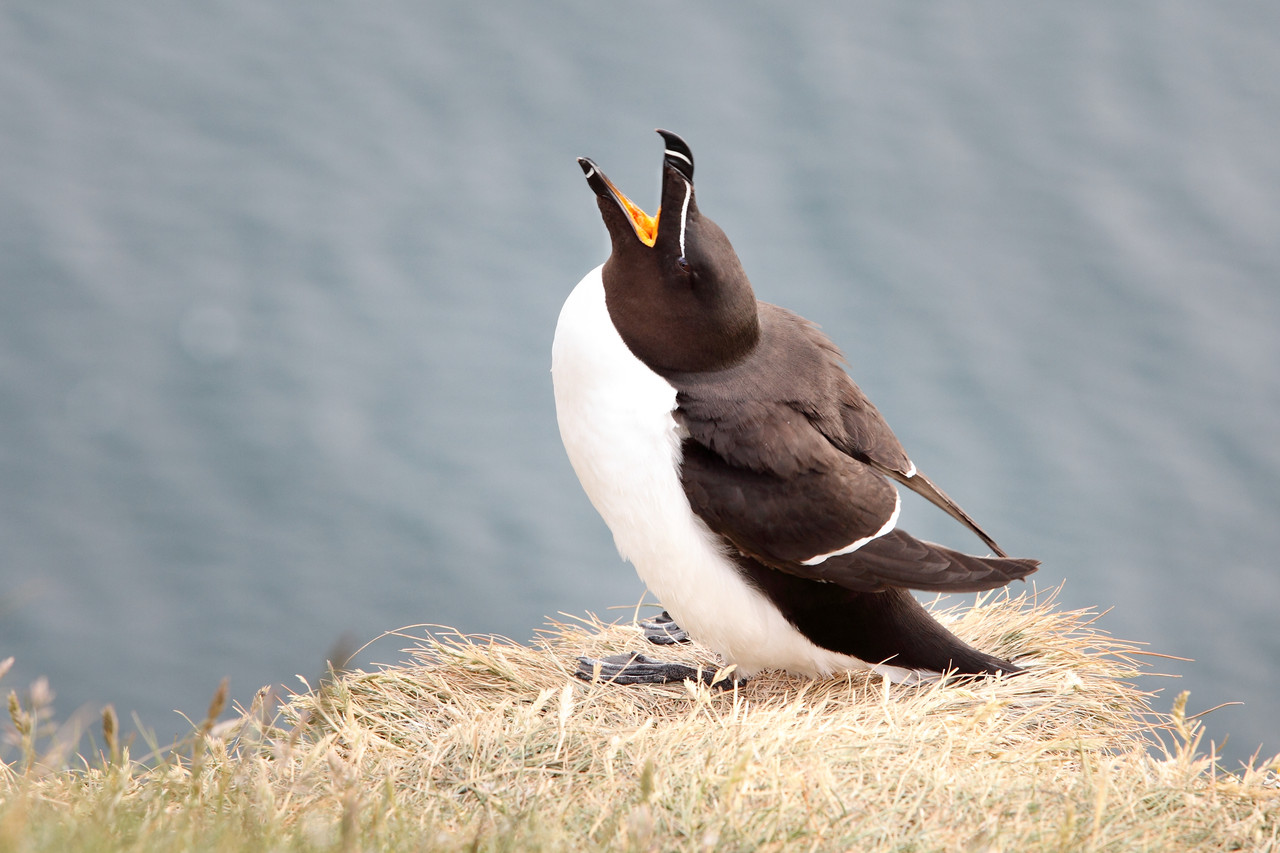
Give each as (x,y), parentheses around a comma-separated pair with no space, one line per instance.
(646,226)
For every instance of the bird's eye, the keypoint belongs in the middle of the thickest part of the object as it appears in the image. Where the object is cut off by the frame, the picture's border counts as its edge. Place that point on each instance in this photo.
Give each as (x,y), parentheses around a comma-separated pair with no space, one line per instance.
(683,263)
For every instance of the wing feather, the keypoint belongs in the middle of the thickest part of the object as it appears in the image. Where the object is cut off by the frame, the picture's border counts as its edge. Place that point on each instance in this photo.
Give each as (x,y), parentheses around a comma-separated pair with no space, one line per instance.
(788,460)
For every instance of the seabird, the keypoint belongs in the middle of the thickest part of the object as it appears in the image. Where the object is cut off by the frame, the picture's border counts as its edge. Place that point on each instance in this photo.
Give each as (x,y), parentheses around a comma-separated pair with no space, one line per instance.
(740,469)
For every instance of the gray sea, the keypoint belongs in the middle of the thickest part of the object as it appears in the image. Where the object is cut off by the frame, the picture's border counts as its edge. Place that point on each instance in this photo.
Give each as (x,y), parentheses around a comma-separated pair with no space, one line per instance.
(278,283)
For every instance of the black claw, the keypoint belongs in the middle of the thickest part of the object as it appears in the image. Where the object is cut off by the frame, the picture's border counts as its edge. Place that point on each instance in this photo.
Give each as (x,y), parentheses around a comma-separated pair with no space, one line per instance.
(635,668)
(662,630)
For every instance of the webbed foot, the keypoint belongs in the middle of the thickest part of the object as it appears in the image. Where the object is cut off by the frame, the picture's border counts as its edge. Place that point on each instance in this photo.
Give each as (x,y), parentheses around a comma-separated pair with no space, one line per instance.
(635,668)
(662,630)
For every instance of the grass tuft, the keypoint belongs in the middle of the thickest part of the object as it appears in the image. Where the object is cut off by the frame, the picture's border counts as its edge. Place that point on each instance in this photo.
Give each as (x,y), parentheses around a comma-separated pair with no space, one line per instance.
(480,743)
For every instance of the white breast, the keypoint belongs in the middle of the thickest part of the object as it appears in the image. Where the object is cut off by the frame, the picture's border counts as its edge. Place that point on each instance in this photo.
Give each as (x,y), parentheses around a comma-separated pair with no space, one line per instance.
(616,421)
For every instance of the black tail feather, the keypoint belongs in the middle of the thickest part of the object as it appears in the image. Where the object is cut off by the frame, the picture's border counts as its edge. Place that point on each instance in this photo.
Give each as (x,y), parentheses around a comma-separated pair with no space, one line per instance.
(889,626)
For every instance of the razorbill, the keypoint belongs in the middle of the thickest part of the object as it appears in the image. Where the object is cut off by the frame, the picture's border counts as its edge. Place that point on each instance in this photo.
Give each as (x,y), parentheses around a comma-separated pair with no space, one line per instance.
(740,469)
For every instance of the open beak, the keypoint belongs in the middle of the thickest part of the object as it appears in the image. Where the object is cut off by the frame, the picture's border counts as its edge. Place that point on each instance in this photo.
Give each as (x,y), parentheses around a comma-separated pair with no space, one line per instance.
(646,226)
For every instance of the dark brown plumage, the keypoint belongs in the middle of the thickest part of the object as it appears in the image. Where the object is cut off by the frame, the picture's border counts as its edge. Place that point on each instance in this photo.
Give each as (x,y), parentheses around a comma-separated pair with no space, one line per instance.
(783,456)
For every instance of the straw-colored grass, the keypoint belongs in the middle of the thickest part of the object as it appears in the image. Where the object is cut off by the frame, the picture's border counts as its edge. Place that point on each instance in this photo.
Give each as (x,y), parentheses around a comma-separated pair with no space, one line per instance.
(485,744)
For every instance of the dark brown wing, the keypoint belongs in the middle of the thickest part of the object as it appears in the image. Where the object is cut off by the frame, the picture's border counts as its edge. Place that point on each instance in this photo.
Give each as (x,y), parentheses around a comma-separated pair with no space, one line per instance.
(856,426)
(800,525)
(784,520)
(790,414)
(898,559)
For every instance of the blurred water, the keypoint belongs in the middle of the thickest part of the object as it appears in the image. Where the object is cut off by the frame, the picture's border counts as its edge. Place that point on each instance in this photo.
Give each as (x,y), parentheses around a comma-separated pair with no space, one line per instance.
(278,283)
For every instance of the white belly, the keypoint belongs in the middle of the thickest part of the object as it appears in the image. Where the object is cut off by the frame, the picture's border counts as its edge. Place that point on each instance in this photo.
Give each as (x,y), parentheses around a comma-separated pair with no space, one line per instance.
(616,421)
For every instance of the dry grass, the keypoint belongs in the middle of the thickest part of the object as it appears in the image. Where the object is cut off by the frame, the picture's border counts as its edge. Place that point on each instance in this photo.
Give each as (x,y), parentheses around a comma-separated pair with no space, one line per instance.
(485,744)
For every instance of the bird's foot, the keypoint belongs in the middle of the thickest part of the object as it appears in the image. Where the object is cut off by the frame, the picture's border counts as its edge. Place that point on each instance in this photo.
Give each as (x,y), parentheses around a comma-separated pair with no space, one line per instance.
(635,668)
(662,630)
